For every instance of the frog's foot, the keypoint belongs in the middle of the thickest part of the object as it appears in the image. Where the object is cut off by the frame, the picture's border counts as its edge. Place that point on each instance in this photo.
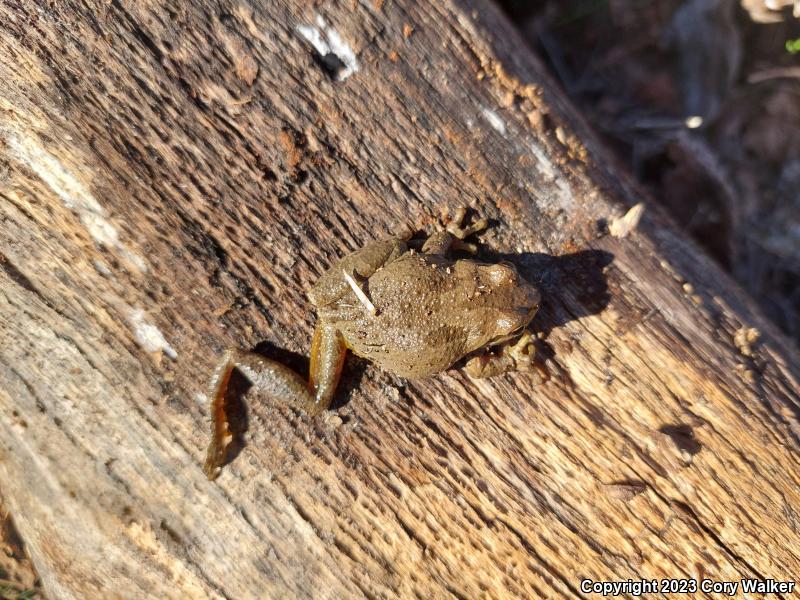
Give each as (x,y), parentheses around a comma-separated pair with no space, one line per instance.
(456,228)
(455,225)
(523,350)
(519,356)
(452,238)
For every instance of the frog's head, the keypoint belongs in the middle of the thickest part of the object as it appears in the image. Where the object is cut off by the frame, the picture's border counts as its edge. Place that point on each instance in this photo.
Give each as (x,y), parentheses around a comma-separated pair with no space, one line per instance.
(503,304)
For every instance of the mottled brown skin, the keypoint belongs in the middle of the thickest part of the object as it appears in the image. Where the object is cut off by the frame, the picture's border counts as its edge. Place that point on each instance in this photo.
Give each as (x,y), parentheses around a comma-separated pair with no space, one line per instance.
(430,311)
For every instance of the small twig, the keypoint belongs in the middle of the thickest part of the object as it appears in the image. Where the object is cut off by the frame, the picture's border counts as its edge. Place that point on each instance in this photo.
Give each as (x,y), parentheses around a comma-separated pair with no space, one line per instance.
(362,297)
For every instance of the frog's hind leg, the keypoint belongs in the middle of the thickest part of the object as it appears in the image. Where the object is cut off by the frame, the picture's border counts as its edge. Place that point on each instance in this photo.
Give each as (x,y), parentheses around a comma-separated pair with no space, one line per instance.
(276,380)
(454,235)
(360,264)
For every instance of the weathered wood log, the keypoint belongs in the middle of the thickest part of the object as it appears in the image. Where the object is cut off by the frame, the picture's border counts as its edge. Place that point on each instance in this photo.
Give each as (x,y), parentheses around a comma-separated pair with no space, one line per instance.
(174,177)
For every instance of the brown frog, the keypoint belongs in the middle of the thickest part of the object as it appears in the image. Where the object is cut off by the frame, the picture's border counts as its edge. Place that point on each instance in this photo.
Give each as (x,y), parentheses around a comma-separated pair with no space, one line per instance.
(413,313)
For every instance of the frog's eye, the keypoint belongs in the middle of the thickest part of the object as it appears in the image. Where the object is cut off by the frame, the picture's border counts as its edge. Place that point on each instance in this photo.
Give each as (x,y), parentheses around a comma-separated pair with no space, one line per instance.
(502,273)
(505,323)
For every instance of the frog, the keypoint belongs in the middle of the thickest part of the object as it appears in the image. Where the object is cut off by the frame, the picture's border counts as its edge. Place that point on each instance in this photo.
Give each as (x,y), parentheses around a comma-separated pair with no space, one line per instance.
(412,311)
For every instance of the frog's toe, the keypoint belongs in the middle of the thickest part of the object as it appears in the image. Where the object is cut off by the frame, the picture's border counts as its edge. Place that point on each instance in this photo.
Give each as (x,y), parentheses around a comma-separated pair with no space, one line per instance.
(456,228)
(458,217)
(523,349)
(462,246)
(523,354)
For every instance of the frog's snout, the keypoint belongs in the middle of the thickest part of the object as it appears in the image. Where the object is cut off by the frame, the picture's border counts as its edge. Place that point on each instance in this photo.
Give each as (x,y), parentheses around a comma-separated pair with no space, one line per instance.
(521,310)
(532,311)
(527,297)
(528,301)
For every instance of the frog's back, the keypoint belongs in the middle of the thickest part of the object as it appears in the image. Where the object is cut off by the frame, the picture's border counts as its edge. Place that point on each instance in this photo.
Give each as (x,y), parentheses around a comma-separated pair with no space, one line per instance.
(418,329)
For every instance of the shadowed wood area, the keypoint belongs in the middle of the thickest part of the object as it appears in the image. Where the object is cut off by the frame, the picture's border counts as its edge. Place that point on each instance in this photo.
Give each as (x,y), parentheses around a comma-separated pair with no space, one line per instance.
(174,178)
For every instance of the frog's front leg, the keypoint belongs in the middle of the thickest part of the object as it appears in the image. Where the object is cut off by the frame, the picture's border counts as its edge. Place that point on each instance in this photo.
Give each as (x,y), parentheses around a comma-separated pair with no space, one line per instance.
(519,356)
(328,351)
(452,238)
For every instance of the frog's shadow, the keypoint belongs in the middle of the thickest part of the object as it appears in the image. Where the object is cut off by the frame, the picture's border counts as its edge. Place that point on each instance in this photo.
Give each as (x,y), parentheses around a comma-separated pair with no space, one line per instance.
(572,286)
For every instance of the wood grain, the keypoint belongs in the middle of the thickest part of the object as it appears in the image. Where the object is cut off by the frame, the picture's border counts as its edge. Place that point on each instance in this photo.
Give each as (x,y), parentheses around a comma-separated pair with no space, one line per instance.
(174,177)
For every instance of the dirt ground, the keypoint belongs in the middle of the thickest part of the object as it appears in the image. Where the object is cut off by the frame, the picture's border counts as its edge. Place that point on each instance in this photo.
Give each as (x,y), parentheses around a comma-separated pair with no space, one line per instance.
(701,99)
